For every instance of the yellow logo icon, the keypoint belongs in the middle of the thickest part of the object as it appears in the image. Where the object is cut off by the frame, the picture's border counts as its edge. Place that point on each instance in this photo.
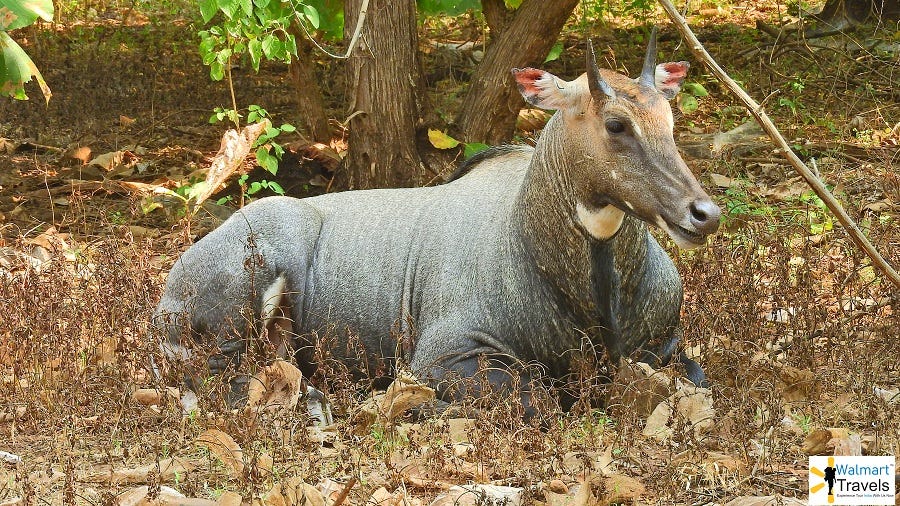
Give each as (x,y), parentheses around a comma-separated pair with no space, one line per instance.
(828,477)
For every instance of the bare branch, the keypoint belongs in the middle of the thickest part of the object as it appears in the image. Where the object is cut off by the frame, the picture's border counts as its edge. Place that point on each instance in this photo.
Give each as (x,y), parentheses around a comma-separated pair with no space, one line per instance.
(353,40)
(756,110)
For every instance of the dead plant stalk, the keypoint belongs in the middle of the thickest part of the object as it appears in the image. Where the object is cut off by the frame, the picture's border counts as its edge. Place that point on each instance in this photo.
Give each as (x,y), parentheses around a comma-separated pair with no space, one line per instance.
(757,111)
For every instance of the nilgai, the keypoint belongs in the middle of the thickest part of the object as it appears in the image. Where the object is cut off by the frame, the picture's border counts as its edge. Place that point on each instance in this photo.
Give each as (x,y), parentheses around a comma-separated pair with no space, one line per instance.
(518,261)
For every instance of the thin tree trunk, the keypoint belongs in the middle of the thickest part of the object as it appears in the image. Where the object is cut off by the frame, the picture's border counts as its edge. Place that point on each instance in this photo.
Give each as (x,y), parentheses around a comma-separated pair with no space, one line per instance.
(310,102)
(489,110)
(382,81)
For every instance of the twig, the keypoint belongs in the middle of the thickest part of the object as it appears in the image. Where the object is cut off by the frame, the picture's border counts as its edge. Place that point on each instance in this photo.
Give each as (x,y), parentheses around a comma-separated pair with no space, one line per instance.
(353,40)
(345,492)
(756,110)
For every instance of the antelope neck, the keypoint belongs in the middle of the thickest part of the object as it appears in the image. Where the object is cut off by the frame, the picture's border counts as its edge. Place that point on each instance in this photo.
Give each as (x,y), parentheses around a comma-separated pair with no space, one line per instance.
(548,217)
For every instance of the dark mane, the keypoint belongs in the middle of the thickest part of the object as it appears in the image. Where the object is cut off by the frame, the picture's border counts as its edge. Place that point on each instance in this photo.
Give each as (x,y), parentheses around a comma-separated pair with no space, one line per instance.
(481,156)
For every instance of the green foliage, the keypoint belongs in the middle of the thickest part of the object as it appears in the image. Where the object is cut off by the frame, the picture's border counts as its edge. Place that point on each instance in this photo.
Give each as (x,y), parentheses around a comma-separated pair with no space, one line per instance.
(448,7)
(687,99)
(331,17)
(16,67)
(255,28)
(442,140)
(554,53)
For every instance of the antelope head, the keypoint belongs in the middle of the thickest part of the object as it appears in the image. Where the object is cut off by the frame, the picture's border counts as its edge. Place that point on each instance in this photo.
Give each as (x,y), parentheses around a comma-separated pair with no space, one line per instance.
(616,137)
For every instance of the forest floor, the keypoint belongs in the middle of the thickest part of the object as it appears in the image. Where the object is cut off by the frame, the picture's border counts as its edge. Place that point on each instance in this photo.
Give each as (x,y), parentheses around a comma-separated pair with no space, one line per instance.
(796,330)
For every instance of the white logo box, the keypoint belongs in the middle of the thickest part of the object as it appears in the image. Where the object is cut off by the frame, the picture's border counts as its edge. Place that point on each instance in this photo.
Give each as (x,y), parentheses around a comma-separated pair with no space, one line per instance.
(856,480)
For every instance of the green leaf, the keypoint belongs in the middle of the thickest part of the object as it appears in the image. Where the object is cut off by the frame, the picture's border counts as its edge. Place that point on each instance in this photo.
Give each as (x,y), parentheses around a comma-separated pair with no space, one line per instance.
(331,18)
(18,13)
(270,46)
(554,53)
(216,71)
(262,4)
(247,7)
(473,148)
(275,187)
(513,4)
(441,140)
(16,69)
(265,160)
(312,15)
(695,89)
(229,7)
(687,103)
(287,128)
(255,49)
(208,9)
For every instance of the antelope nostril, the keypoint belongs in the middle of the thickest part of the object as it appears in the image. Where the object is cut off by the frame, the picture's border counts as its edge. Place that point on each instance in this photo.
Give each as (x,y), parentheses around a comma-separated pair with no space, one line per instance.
(705,215)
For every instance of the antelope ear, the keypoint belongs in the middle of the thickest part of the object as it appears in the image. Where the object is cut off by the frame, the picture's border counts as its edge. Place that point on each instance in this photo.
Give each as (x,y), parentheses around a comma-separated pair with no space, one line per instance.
(669,77)
(544,90)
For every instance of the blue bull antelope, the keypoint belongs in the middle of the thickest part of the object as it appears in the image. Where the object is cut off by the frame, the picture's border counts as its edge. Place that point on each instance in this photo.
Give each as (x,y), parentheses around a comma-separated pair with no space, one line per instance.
(514,262)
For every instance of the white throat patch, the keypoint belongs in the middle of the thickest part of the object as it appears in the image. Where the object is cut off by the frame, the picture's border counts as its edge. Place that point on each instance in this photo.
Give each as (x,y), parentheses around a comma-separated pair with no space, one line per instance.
(601,224)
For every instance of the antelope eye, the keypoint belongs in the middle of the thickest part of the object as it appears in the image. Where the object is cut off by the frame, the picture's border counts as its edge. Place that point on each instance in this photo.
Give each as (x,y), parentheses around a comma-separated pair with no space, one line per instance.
(615,126)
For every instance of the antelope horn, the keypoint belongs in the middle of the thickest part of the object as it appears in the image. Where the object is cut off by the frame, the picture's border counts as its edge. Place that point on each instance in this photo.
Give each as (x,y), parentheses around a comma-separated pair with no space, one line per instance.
(600,89)
(648,73)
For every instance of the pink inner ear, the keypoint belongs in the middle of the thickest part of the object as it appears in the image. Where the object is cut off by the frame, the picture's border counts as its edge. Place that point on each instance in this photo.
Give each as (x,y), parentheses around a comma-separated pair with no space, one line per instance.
(676,72)
(526,78)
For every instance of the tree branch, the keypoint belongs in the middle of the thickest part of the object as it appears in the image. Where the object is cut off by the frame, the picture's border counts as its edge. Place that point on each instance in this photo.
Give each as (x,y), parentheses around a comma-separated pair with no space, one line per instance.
(756,110)
(353,40)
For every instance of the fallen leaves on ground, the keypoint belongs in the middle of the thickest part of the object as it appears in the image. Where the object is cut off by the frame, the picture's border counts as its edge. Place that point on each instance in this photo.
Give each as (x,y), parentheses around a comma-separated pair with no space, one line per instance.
(769,500)
(691,405)
(277,387)
(225,448)
(167,470)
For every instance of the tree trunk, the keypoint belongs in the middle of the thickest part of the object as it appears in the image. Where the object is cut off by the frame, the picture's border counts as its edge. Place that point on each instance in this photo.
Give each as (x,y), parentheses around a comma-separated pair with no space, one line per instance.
(310,102)
(489,110)
(382,81)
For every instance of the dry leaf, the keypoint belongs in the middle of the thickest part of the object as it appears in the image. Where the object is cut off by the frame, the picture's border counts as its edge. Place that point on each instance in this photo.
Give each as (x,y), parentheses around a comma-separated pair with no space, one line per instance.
(724,181)
(381,497)
(769,500)
(125,121)
(16,501)
(229,499)
(890,396)
(404,393)
(225,448)
(460,429)
(111,160)
(691,404)
(476,495)
(82,153)
(558,487)
(581,463)
(167,470)
(153,397)
(292,492)
(167,496)
(820,442)
(619,488)
(232,151)
(276,387)
(638,388)
(530,120)
(798,384)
